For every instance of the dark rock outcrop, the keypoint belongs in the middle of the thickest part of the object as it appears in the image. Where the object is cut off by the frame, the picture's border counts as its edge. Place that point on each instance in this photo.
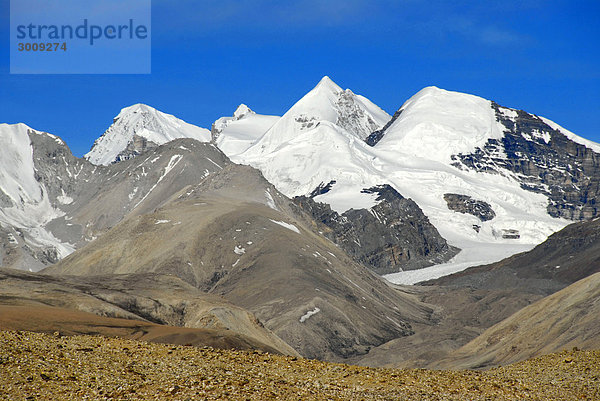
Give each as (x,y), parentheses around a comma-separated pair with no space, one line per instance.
(61,173)
(393,235)
(322,188)
(351,116)
(467,205)
(376,136)
(136,147)
(544,161)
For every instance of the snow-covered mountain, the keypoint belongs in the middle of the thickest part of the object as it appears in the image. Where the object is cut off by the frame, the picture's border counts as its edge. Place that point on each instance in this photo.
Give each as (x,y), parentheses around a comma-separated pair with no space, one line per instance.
(234,135)
(316,142)
(52,202)
(488,177)
(326,104)
(170,215)
(25,203)
(138,128)
(492,180)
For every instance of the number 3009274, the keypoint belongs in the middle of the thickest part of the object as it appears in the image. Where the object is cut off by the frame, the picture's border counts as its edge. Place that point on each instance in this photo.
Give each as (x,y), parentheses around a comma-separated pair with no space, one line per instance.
(42,47)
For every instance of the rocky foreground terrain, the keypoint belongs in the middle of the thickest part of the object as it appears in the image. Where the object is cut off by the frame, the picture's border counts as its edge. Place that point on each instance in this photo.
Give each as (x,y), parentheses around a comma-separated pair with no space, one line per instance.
(38,366)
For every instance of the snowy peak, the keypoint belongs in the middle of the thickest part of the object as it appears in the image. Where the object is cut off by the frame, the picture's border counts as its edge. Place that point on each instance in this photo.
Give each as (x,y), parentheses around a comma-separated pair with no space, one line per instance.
(137,108)
(436,124)
(138,128)
(234,135)
(327,104)
(458,156)
(316,105)
(18,185)
(220,124)
(328,85)
(25,204)
(242,111)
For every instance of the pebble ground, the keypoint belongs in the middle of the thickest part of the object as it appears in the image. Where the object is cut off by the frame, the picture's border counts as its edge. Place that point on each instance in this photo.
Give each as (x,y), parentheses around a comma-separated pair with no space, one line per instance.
(35,366)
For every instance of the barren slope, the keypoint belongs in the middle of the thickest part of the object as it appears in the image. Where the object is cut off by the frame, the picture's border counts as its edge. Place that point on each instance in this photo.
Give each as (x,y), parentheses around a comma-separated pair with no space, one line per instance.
(236,236)
(157,299)
(46,367)
(568,318)
(564,258)
(47,319)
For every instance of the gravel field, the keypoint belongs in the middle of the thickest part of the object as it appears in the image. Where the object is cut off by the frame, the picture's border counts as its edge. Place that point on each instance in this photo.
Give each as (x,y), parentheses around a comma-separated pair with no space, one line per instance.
(36,366)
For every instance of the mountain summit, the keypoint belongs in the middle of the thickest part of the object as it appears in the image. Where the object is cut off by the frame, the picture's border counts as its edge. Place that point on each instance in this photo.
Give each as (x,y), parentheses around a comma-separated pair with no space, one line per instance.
(326,103)
(234,135)
(138,128)
(479,171)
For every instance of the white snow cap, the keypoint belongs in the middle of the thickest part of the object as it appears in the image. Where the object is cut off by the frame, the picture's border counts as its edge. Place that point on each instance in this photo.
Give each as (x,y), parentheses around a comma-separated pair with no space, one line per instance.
(326,104)
(328,84)
(234,135)
(436,123)
(17,172)
(321,139)
(242,111)
(143,121)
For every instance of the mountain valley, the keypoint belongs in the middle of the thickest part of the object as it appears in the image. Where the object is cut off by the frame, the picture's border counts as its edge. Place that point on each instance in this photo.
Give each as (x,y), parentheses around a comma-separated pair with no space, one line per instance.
(456,233)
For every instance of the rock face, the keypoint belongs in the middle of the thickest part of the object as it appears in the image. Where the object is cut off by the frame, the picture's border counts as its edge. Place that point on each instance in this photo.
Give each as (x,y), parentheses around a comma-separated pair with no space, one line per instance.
(376,136)
(61,173)
(135,147)
(321,189)
(352,115)
(391,236)
(544,160)
(466,204)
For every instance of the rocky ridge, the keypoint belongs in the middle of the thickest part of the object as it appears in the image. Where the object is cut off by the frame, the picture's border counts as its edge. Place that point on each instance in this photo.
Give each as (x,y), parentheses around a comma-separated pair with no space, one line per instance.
(78,201)
(544,160)
(393,235)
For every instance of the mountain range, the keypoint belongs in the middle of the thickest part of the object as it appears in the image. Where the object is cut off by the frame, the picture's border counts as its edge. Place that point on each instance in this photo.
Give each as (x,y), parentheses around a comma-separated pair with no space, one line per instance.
(493,181)
(280,228)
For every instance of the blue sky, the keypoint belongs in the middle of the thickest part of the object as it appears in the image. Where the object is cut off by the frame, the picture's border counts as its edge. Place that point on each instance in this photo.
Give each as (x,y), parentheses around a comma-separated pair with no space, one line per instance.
(209,56)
